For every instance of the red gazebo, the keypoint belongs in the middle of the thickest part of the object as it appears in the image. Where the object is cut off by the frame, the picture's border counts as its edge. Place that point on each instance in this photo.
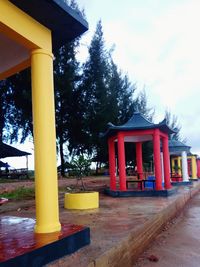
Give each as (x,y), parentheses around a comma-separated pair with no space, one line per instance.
(138,130)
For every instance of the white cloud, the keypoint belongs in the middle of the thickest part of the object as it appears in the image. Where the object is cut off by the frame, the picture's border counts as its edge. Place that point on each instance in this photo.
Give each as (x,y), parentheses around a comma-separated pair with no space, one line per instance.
(157,43)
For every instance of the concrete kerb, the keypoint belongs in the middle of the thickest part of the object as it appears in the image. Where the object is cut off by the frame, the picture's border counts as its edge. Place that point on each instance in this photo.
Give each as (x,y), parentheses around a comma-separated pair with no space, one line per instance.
(127,251)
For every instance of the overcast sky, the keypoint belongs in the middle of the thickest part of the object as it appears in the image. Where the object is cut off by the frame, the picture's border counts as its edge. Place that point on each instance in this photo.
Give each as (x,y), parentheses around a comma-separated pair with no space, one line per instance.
(157,43)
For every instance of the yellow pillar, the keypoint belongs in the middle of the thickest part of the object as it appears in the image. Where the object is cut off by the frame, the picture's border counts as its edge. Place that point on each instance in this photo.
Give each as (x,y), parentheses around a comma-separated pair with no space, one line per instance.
(179,165)
(46,184)
(173,166)
(194,167)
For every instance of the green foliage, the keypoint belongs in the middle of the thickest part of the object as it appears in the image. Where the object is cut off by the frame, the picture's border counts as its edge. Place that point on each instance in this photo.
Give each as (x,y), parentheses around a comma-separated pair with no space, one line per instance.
(141,105)
(4,108)
(81,165)
(21,193)
(68,97)
(172,122)
(87,97)
(20,107)
(107,94)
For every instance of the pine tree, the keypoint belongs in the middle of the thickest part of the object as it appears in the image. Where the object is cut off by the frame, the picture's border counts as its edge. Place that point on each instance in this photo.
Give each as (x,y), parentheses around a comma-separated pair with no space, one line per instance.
(121,93)
(19,115)
(65,77)
(108,95)
(95,86)
(4,109)
(67,94)
(172,122)
(141,105)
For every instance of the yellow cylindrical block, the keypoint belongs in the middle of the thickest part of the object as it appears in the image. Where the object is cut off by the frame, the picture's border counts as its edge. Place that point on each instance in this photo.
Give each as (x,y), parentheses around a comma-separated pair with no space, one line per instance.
(81,201)
(194,167)
(46,184)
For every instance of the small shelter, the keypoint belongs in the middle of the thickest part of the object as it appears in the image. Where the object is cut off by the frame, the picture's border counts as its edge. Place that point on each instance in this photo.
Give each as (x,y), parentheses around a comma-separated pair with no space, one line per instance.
(4,165)
(7,151)
(31,31)
(183,162)
(138,130)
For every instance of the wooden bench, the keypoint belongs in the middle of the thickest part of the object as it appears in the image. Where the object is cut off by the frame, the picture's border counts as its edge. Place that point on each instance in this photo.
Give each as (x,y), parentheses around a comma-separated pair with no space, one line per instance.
(142,183)
(15,173)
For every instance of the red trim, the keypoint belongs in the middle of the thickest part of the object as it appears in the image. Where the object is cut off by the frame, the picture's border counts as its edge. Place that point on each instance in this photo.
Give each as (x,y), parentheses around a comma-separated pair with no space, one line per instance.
(166,163)
(139,159)
(137,132)
(163,135)
(121,159)
(157,161)
(111,147)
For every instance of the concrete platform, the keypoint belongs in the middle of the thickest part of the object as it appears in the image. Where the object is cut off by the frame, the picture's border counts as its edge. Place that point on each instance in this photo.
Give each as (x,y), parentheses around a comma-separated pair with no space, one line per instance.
(120,229)
(178,244)
(182,183)
(123,227)
(141,193)
(21,247)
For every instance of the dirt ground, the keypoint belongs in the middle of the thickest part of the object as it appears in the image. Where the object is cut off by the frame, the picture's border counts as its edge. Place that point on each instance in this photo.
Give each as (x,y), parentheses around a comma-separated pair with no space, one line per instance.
(116,224)
(65,184)
(178,245)
(90,182)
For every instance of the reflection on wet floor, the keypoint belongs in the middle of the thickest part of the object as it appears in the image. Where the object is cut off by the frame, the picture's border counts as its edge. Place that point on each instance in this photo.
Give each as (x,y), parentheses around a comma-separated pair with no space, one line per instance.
(17,236)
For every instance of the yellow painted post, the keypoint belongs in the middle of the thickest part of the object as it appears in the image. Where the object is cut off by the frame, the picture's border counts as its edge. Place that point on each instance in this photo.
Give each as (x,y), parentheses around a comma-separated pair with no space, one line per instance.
(173,166)
(46,184)
(194,167)
(179,165)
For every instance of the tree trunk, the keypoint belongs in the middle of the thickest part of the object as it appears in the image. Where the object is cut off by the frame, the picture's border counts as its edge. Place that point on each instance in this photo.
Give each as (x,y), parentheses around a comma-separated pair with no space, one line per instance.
(62,156)
(97,167)
(2,120)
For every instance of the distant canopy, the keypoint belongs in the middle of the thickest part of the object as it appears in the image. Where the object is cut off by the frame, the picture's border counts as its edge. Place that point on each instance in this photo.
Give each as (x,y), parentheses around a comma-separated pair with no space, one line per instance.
(7,151)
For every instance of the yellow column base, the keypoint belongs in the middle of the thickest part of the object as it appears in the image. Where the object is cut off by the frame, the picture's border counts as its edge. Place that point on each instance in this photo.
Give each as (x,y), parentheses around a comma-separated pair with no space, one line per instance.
(81,201)
(51,228)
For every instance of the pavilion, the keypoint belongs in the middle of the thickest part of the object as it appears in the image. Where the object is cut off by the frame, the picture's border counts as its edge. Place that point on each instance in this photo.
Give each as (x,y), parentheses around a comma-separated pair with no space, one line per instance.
(7,151)
(30,31)
(138,130)
(183,162)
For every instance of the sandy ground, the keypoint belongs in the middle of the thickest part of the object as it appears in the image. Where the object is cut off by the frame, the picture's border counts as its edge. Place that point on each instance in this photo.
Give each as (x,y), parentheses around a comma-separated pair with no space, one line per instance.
(178,245)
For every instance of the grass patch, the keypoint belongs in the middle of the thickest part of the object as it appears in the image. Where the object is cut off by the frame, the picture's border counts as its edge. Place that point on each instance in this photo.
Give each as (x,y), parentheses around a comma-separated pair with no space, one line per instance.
(21,193)
(6,180)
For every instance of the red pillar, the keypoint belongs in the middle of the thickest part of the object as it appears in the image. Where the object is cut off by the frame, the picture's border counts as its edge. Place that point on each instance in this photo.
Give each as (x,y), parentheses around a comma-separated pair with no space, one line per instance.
(111,152)
(166,163)
(198,168)
(121,162)
(139,160)
(157,161)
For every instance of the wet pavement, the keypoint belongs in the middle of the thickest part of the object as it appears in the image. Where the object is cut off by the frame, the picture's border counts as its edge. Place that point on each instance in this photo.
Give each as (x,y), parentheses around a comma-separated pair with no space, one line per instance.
(179,243)
(20,246)
(120,229)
